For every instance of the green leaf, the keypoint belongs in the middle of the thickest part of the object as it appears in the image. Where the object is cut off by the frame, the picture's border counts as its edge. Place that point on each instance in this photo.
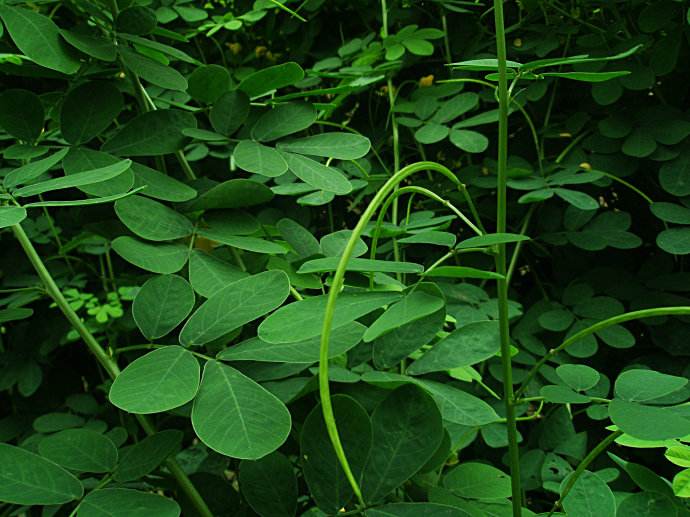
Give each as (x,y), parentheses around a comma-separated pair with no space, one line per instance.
(124,502)
(28,479)
(208,83)
(81,450)
(82,159)
(458,406)
(577,199)
(153,71)
(159,381)
(209,274)
(151,134)
(90,43)
(418,47)
(11,215)
(456,106)
(38,38)
(482,65)
(647,422)
(470,141)
(572,60)
(393,347)
(300,352)
(253,244)
(283,120)
(639,144)
(431,133)
(235,193)
(235,416)
(461,272)
(334,244)
(136,20)
(327,264)
(681,483)
(491,239)
(558,394)
(678,455)
(78,179)
(644,385)
(317,175)
(271,78)
(299,238)
(406,431)
(587,77)
(478,481)
(415,510)
(88,110)
(556,320)
(222,224)
(269,485)
(578,376)
(163,258)
(161,304)
(465,346)
(302,320)
(675,241)
(674,175)
(342,146)
(15,314)
(652,504)
(234,305)
(433,237)
(671,212)
(161,186)
(52,422)
(590,496)
(322,471)
(152,220)
(21,113)
(253,157)
(413,306)
(30,171)
(229,112)
(143,457)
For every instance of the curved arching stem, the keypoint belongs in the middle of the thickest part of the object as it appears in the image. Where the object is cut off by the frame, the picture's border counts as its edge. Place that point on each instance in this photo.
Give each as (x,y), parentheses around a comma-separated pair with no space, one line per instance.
(337,285)
(413,190)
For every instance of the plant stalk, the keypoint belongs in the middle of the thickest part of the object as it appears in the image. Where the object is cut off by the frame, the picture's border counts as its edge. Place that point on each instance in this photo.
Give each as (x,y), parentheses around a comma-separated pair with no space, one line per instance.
(108,363)
(502,283)
(601,447)
(336,286)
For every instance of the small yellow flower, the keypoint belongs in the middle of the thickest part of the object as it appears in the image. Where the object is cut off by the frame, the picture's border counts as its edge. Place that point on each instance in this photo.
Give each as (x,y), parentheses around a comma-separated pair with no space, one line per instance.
(235,48)
(260,51)
(517,42)
(426,81)
(586,166)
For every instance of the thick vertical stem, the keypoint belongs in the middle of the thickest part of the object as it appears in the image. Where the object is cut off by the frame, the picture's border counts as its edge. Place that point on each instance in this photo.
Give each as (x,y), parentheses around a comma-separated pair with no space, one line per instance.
(108,363)
(502,284)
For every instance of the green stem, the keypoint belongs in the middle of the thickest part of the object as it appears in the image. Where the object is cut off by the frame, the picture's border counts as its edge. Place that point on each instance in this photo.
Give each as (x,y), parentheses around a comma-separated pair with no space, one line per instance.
(336,286)
(615,320)
(107,362)
(601,447)
(413,189)
(502,284)
(149,105)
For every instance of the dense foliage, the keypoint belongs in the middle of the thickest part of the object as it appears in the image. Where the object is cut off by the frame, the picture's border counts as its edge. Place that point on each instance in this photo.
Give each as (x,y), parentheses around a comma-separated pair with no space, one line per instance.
(258,258)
